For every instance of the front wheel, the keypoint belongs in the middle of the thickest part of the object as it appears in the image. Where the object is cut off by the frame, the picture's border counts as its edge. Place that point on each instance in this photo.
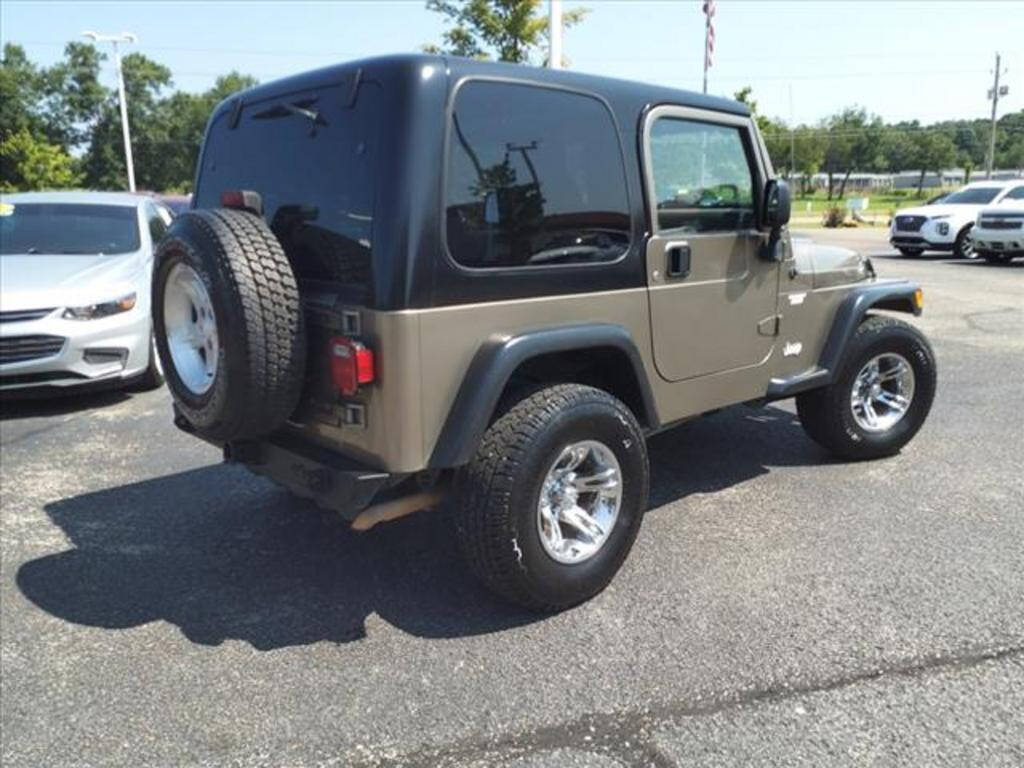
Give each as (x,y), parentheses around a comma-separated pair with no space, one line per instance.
(881,395)
(549,507)
(153,376)
(963,247)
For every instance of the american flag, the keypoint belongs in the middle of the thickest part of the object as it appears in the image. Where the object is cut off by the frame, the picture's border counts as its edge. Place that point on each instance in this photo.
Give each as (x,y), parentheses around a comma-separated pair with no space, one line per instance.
(709,37)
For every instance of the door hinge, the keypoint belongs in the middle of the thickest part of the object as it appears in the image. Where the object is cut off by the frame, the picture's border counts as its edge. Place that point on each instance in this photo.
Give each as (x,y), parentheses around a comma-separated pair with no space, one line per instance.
(769,326)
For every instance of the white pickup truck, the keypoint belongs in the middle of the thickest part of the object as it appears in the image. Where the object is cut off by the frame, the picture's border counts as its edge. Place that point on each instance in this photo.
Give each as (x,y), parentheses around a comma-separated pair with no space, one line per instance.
(998,233)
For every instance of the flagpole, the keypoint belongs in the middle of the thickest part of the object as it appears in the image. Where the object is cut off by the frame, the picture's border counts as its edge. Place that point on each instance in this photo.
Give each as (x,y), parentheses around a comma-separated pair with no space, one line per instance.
(707,30)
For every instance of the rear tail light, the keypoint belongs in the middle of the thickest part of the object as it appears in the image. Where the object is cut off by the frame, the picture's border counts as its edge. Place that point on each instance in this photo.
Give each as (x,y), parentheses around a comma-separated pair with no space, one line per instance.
(351,365)
(243,200)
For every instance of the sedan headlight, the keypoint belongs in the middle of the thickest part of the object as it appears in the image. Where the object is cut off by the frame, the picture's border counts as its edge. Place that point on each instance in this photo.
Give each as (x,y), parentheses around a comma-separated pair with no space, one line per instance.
(103,309)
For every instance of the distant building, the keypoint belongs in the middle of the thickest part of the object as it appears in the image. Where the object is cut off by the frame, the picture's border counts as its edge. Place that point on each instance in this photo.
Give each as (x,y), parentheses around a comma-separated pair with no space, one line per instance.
(883,182)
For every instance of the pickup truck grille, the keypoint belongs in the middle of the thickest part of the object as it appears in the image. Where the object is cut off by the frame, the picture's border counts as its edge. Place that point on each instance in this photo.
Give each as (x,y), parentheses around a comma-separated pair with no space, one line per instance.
(18,349)
(910,223)
(21,315)
(1001,223)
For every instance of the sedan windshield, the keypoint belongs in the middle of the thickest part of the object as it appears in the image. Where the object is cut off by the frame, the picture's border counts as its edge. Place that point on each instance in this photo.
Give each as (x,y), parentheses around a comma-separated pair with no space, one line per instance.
(974,195)
(65,228)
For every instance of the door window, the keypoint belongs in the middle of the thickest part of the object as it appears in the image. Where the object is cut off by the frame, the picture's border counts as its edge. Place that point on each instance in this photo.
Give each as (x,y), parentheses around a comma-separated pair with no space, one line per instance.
(702,176)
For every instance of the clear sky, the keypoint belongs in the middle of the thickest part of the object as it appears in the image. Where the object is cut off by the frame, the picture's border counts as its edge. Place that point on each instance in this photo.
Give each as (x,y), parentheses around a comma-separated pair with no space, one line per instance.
(902,60)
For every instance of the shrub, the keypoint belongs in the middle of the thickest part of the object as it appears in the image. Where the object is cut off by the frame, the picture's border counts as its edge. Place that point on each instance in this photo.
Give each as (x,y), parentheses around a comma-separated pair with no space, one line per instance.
(834,217)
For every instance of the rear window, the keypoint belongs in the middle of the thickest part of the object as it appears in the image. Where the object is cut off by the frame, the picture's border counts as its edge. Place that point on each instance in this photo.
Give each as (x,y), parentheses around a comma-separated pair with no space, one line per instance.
(535,178)
(65,228)
(312,159)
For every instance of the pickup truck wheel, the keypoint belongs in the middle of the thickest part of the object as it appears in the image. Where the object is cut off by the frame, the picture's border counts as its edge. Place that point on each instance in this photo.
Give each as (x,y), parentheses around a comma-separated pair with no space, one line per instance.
(995,258)
(228,323)
(881,395)
(549,507)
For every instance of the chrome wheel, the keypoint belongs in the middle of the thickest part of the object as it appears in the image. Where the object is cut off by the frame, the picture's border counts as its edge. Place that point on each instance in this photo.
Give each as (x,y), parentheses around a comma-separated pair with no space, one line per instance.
(882,392)
(579,502)
(191,328)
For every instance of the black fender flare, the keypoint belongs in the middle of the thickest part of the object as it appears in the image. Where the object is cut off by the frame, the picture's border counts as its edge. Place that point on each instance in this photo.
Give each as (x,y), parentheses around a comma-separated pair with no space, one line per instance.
(894,295)
(495,362)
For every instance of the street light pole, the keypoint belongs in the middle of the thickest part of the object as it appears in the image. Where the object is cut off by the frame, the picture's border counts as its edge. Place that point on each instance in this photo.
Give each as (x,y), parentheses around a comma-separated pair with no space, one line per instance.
(555,34)
(124,37)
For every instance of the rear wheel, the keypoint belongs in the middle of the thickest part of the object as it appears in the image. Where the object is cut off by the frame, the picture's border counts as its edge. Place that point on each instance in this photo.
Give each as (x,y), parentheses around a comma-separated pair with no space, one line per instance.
(881,395)
(911,252)
(549,507)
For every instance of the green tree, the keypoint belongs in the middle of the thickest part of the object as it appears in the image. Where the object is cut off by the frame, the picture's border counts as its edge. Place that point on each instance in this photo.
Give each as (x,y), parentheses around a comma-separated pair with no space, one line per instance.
(72,95)
(144,80)
(20,92)
(935,151)
(28,163)
(508,30)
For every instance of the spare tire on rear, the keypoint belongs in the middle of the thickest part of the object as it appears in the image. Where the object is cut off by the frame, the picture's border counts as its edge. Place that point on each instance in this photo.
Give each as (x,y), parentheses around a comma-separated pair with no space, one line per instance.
(228,324)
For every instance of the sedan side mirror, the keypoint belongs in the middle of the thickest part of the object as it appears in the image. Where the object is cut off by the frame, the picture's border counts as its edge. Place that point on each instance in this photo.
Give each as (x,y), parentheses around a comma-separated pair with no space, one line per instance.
(777,204)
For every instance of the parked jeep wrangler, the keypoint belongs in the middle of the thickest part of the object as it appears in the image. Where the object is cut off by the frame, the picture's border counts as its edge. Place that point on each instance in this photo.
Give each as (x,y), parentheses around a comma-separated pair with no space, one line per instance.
(412,275)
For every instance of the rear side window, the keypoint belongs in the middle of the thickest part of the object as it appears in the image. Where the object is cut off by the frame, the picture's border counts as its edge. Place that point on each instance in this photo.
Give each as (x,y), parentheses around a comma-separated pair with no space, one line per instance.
(312,159)
(702,176)
(535,178)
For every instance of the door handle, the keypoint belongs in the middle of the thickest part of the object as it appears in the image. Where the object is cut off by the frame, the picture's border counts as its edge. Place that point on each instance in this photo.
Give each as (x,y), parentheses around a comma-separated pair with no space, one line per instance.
(677,259)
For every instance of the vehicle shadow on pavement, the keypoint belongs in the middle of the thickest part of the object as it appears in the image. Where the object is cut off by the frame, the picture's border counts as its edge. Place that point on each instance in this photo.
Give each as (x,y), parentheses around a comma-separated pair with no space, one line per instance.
(224,555)
(725,449)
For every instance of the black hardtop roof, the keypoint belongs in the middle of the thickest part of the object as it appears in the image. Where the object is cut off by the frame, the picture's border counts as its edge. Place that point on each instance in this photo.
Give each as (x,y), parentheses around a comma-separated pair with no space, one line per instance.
(456,67)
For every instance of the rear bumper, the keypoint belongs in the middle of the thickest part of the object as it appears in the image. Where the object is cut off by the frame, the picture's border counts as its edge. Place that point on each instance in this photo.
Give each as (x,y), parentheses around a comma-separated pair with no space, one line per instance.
(333,481)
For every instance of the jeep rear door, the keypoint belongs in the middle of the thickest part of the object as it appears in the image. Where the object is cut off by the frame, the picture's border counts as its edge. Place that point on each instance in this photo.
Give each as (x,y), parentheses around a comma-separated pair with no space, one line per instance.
(712,296)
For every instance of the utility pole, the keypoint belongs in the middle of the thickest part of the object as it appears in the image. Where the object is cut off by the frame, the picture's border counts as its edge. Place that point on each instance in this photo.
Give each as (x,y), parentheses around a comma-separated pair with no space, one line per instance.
(792,138)
(124,37)
(994,95)
(555,34)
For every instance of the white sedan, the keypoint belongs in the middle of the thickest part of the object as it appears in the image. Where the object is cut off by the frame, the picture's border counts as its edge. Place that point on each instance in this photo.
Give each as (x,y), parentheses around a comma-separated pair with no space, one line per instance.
(75,275)
(946,226)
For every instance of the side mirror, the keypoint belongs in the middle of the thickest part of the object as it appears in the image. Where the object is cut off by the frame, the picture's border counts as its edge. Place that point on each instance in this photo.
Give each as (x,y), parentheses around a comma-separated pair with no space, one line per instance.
(777,204)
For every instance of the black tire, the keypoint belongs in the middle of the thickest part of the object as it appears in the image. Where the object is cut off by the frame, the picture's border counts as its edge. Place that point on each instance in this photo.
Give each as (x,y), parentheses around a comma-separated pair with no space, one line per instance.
(962,246)
(153,377)
(261,364)
(826,413)
(995,258)
(496,495)
(911,252)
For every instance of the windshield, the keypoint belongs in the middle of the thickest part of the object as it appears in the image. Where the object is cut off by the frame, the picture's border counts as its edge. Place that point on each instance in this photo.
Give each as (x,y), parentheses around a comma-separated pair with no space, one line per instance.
(975,195)
(64,228)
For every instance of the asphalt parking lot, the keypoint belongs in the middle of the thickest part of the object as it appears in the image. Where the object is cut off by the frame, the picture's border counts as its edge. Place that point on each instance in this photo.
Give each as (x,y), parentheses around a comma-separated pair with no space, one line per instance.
(779,608)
